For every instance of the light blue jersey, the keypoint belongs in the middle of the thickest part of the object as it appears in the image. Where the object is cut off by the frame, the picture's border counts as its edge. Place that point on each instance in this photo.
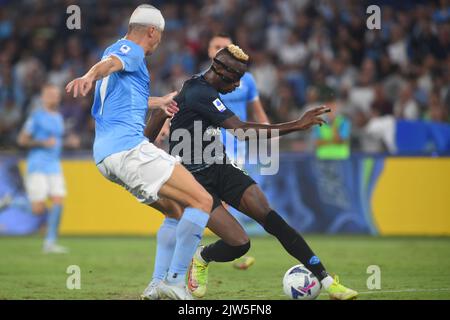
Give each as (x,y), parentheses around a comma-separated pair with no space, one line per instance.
(120,102)
(42,125)
(237,101)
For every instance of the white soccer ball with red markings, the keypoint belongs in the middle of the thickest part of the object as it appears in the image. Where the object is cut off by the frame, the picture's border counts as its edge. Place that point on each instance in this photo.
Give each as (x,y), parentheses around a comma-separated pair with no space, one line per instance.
(300,284)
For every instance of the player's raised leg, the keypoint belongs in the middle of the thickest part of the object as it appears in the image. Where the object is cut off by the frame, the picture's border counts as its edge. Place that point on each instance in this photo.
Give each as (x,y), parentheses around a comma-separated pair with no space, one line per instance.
(254,204)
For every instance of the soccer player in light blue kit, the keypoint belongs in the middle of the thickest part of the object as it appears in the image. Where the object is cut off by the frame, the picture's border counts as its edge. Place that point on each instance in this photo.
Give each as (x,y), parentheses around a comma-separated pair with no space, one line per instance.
(243,99)
(43,134)
(125,156)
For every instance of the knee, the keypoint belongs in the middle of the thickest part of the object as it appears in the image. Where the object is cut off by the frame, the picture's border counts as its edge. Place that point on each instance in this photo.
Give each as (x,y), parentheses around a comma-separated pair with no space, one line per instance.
(241,239)
(203,201)
(175,212)
(57,200)
(38,208)
(242,249)
(169,208)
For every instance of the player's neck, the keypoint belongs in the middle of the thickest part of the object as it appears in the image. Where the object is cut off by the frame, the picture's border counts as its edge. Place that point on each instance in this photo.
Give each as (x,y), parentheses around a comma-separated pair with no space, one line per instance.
(211,79)
(138,40)
(50,109)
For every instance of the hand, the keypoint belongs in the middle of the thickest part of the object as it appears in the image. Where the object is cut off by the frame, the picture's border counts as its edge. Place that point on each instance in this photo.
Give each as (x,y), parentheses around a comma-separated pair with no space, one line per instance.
(49,143)
(80,85)
(312,117)
(169,106)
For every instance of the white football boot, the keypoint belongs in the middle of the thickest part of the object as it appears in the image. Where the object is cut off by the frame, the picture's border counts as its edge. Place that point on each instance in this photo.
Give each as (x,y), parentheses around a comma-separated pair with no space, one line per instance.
(173,291)
(151,292)
(51,247)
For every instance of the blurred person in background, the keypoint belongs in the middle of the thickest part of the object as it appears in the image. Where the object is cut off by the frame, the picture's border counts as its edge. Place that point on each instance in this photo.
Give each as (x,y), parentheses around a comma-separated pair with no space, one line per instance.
(10,117)
(362,94)
(406,107)
(332,139)
(381,104)
(43,134)
(436,110)
(317,35)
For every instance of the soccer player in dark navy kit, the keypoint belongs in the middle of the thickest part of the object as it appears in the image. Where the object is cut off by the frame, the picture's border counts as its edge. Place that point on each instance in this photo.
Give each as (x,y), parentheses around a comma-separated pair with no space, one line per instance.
(202,111)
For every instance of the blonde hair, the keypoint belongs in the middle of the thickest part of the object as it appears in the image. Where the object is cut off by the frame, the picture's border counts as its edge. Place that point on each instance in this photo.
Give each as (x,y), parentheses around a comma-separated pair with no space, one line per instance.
(237,53)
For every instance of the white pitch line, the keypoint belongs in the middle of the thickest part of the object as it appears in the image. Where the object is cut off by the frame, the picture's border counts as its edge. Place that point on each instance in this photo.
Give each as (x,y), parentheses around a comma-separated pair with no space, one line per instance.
(402,291)
(383,291)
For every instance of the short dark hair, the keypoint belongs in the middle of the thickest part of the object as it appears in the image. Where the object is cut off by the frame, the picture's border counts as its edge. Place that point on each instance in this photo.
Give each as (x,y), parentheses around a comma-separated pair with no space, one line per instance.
(222,35)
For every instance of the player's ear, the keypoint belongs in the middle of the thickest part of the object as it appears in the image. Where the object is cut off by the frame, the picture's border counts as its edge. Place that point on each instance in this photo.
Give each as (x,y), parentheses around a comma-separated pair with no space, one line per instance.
(151,30)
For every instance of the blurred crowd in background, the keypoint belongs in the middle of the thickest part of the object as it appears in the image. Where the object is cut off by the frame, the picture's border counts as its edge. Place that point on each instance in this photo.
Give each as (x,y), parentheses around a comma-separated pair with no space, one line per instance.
(303,53)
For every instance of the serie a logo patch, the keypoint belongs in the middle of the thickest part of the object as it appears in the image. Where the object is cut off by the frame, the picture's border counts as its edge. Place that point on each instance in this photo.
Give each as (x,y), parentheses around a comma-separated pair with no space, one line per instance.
(125,49)
(219,105)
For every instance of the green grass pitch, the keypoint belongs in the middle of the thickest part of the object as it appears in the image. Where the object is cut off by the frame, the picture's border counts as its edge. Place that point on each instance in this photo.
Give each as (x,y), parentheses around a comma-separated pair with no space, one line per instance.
(120,267)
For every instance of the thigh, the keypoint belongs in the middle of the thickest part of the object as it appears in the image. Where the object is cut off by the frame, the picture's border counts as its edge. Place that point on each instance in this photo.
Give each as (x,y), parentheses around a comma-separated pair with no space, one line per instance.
(142,170)
(225,226)
(37,186)
(57,186)
(169,208)
(183,188)
(254,204)
(232,184)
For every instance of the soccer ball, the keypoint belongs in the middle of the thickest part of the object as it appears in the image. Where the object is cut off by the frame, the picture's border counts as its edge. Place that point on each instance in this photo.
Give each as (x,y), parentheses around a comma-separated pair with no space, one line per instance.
(300,284)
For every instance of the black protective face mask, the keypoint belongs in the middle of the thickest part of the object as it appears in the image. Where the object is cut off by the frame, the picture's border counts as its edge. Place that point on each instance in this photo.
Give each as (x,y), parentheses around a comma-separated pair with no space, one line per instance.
(221,76)
(229,69)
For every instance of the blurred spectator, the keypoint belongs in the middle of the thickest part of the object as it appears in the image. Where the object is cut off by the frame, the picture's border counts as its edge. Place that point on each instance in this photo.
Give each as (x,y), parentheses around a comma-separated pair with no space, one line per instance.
(302,53)
(436,111)
(332,140)
(293,52)
(265,74)
(381,106)
(10,118)
(362,94)
(397,49)
(284,104)
(406,107)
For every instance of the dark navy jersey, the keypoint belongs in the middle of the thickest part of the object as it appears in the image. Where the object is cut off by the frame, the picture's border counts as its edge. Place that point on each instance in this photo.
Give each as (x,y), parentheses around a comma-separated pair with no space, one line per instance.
(195,133)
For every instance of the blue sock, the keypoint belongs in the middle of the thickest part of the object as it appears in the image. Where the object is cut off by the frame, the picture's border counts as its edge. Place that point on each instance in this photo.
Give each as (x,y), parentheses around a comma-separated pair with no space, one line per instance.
(189,233)
(165,246)
(53,219)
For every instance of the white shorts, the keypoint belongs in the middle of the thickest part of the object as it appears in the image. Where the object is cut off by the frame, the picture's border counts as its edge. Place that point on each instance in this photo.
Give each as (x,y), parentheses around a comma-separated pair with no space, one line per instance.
(41,186)
(142,170)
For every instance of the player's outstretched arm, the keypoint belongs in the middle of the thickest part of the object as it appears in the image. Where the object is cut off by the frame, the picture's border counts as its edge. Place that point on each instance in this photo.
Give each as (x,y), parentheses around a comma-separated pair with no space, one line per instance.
(307,120)
(100,70)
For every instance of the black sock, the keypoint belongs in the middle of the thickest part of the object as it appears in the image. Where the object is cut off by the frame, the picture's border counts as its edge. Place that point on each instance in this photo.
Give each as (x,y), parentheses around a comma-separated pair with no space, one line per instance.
(294,244)
(219,251)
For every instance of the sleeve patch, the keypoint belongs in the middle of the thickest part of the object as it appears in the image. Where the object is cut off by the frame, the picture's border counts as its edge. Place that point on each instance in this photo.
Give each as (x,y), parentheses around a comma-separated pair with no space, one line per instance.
(125,49)
(219,105)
